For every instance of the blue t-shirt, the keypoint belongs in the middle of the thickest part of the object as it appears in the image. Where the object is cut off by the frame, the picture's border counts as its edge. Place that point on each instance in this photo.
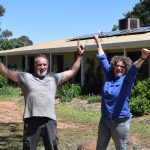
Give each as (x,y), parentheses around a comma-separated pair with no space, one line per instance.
(116,92)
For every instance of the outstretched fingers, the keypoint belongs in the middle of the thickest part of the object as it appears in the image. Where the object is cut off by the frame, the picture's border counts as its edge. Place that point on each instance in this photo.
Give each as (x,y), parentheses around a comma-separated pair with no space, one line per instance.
(80,46)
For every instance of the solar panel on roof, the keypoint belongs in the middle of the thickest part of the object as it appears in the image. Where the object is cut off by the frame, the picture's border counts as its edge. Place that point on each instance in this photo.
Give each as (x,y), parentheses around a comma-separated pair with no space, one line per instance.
(113,33)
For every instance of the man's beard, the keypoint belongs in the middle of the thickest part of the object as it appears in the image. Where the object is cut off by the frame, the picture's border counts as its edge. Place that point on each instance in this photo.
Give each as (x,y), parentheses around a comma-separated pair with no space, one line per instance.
(41,74)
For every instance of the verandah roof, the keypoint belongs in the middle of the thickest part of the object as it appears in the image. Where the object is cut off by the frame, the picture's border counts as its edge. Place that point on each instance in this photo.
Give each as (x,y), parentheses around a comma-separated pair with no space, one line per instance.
(63,45)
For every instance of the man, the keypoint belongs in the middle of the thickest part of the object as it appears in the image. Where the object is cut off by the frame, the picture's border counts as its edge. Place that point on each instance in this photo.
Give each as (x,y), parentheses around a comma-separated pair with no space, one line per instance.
(39,91)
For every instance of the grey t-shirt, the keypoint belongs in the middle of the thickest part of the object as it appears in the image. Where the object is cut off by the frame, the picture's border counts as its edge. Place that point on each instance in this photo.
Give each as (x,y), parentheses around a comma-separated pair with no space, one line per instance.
(39,94)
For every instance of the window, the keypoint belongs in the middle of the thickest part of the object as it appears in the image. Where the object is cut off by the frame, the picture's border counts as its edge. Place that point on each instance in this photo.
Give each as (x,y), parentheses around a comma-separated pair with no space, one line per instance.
(57,63)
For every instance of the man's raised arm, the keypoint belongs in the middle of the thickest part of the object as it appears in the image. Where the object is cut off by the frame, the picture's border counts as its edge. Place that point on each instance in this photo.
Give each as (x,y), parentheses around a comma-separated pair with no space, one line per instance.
(8,73)
(74,69)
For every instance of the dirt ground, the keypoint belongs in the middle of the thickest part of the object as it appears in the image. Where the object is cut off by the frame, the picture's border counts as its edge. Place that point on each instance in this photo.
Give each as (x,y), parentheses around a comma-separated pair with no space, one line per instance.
(12,113)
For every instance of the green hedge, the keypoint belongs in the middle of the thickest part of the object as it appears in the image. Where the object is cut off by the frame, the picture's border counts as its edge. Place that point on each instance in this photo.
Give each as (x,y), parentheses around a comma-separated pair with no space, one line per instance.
(10,91)
(67,91)
(3,81)
(140,98)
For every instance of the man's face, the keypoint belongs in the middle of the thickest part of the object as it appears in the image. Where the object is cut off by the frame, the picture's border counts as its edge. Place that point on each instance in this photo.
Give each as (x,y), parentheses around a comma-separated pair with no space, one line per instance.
(41,66)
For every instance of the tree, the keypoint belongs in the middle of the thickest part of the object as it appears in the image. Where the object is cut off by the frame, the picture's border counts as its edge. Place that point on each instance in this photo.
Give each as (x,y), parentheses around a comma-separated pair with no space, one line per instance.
(115,27)
(142,11)
(25,40)
(6,45)
(21,41)
(5,34)
(2,10)
(6,42)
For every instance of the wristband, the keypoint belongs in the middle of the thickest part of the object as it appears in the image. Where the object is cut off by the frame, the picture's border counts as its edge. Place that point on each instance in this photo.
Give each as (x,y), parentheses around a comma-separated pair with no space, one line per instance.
(143,58)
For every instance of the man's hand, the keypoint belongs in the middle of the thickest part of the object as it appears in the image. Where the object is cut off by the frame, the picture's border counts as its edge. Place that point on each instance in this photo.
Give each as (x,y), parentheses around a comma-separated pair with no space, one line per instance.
(80,48)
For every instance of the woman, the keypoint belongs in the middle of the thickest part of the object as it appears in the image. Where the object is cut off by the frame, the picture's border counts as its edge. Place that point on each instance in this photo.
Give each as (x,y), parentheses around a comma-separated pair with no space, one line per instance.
(120,76)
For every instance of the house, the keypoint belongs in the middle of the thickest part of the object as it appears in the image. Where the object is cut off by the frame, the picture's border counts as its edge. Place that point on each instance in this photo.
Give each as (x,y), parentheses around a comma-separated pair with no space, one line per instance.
(61,53)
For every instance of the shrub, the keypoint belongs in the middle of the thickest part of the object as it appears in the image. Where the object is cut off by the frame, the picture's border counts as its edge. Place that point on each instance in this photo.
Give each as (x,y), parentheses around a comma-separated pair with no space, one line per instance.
(140,107)
(142,89)
(140,98)
(3,81)
(10,90)
(67,91)
(93,98)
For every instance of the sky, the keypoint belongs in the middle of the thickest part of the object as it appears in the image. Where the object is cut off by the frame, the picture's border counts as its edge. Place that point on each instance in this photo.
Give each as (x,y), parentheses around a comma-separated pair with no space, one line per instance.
(48,20)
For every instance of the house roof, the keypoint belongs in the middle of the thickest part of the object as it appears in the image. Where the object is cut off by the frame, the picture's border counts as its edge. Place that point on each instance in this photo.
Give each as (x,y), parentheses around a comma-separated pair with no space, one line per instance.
(138,40)
(139,30)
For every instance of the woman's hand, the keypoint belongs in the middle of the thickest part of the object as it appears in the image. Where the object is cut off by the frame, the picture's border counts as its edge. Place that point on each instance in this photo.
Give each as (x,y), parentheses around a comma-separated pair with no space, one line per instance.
(96,38)
(98,44)
(145,53)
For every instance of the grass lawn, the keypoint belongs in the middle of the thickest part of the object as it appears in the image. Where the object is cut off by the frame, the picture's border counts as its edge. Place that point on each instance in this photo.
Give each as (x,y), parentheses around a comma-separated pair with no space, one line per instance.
(77,127)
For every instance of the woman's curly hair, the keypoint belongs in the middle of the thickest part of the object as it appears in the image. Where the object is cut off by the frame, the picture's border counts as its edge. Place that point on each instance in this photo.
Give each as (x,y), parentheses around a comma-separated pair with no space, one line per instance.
(126,61)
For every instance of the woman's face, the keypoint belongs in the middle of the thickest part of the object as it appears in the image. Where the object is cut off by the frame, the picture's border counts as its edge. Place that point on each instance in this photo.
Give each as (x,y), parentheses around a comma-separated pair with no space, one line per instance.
(119,69)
